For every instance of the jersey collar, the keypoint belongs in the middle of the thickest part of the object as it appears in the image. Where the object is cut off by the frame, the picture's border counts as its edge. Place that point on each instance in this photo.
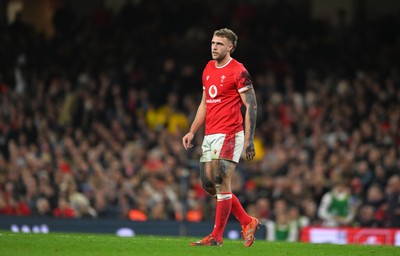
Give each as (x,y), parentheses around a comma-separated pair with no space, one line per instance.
(224,64)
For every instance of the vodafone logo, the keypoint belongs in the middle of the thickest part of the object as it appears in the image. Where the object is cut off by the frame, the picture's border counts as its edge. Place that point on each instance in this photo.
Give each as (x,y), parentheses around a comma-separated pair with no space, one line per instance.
(212,91)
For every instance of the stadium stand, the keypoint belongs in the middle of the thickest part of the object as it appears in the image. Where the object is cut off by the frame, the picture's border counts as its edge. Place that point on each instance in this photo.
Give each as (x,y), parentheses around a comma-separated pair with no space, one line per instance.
(92,118)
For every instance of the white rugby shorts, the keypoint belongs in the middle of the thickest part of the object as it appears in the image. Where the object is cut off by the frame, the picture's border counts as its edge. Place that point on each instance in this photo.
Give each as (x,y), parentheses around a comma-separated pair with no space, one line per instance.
(222,146)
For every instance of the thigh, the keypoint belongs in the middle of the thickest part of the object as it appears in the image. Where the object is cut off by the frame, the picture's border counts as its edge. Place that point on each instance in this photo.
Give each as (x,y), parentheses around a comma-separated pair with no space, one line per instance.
(223,171)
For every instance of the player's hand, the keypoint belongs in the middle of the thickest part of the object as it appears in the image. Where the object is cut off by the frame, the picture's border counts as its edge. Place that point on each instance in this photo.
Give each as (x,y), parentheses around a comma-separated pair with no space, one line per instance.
(250,151)
(187,140)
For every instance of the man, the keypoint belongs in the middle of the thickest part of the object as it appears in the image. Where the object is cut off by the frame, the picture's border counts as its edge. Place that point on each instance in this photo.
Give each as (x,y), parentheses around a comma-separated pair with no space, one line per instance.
(393,200)
(337,208)
(226,87)
(282,229)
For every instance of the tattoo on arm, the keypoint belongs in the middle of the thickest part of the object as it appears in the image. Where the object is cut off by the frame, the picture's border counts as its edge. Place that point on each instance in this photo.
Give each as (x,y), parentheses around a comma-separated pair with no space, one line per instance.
(252,110)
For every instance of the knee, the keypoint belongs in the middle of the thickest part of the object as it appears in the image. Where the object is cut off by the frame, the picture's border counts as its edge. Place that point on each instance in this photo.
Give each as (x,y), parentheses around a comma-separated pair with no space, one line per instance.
(209,187)
(218,180)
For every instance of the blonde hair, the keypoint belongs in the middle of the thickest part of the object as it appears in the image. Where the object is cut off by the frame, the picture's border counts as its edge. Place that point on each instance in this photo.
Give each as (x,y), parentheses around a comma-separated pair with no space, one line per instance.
(229,34)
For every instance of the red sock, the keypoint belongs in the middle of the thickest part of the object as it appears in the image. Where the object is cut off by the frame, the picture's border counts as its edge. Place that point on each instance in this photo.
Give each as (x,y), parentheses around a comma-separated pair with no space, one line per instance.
(224,206)
(238,211)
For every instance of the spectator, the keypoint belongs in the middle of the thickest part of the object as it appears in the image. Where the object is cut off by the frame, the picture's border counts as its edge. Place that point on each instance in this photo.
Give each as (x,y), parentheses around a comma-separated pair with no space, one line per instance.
(64,210)
(393,200)
(366,217)
(6,207)
(43,208)
(337,207)
(375,197)
(295,218)
(310,211)
(282,229)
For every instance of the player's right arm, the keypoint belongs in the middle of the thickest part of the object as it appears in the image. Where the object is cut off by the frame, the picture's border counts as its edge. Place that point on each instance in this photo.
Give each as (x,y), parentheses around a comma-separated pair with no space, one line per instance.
(198,121)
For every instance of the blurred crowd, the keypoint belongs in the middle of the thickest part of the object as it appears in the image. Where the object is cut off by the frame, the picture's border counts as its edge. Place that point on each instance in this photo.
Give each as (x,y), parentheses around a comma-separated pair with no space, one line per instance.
(92,118)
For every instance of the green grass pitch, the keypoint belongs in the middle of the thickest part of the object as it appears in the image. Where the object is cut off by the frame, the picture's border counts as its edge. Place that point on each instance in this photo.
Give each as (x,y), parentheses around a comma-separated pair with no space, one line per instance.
(98,244)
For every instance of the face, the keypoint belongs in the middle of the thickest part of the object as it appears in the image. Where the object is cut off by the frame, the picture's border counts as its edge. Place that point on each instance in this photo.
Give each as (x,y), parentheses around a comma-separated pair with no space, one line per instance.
(220,48)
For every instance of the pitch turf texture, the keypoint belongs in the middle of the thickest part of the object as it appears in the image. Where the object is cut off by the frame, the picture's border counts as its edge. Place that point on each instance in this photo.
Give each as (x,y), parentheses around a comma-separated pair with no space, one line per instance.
(95,244)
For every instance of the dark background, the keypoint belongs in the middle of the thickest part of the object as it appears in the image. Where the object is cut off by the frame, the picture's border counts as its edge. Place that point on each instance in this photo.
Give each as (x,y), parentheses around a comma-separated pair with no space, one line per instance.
(85,86)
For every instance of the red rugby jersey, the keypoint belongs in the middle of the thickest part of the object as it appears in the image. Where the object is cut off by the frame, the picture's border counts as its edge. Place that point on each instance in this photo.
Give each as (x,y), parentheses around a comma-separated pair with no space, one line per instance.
(223,86)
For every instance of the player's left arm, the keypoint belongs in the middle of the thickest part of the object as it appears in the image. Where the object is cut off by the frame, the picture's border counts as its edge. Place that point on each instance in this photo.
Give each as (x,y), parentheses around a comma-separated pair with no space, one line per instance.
(249,101)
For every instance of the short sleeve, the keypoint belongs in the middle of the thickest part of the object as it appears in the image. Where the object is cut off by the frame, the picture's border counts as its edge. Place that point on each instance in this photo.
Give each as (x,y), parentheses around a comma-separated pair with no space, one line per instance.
(243,79)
